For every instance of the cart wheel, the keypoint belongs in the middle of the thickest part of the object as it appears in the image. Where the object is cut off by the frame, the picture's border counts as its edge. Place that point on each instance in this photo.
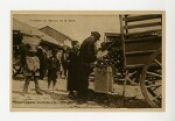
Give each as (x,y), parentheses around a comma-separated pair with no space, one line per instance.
(151,80)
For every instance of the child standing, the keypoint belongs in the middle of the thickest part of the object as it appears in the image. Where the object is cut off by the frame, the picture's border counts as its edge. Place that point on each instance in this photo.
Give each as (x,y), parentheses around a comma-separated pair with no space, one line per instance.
(53,68)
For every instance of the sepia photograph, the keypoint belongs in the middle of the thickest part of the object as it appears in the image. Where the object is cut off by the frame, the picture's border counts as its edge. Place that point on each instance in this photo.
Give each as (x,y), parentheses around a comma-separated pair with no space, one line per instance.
(87,61)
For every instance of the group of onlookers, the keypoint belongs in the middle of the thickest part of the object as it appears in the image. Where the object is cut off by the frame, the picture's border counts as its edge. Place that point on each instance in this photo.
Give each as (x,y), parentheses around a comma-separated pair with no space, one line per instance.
(77,64)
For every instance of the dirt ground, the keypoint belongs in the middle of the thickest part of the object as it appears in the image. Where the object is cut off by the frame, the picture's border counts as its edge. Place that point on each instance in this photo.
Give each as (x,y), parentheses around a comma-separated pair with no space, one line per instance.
(58,98)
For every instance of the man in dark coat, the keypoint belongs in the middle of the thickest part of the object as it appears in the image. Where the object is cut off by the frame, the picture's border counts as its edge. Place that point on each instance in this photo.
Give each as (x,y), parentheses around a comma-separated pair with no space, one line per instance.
(64,62)
(87,57)
(72,70)
(43,65)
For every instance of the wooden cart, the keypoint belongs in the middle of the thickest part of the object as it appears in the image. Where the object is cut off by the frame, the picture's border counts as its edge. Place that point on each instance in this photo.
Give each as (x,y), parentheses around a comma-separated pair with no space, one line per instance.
(140,43)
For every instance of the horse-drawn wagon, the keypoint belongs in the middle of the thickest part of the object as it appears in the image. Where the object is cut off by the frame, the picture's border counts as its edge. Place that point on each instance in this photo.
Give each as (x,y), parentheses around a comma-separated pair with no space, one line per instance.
(137,52)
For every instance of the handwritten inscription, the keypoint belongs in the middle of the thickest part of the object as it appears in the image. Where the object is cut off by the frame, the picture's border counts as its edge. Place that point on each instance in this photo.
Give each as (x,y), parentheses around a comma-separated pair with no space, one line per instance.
(53,20)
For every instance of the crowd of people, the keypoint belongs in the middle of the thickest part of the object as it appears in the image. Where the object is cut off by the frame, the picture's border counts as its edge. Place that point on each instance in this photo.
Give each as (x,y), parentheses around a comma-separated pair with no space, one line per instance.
(77,64)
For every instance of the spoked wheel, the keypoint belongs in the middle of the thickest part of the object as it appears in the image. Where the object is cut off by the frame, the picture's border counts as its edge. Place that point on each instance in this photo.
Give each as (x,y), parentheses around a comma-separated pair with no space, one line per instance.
(151,80)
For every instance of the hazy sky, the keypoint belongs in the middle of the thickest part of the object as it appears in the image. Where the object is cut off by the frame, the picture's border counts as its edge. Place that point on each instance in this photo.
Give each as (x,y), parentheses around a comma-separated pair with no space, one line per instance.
(78,27)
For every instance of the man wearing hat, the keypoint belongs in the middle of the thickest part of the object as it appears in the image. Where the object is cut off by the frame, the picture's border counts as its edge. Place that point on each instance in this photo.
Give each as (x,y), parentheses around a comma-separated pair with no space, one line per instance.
(87,56)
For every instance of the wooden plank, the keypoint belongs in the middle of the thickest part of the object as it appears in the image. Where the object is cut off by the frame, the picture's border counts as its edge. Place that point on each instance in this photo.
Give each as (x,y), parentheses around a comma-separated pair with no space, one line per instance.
(141,17)
(147,38)
(137,59)
(143,25)
(137,66)
(122,38)
(144,33)
(142,45)
(133,53)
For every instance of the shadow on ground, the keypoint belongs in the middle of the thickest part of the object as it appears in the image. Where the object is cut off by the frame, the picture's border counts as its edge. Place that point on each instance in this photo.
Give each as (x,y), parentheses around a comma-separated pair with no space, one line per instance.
(103,100)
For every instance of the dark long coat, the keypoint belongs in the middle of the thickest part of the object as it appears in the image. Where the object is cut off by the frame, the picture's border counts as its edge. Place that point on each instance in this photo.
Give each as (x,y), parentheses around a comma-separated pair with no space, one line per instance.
(73,70)
(87,56)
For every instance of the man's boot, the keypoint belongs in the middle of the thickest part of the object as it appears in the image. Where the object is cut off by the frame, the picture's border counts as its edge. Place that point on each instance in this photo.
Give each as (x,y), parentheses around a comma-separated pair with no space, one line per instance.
(37,89)
(26,85)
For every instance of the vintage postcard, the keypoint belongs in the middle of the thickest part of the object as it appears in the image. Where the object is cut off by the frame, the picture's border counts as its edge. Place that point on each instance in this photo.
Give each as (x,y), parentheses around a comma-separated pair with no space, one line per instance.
(87,61)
